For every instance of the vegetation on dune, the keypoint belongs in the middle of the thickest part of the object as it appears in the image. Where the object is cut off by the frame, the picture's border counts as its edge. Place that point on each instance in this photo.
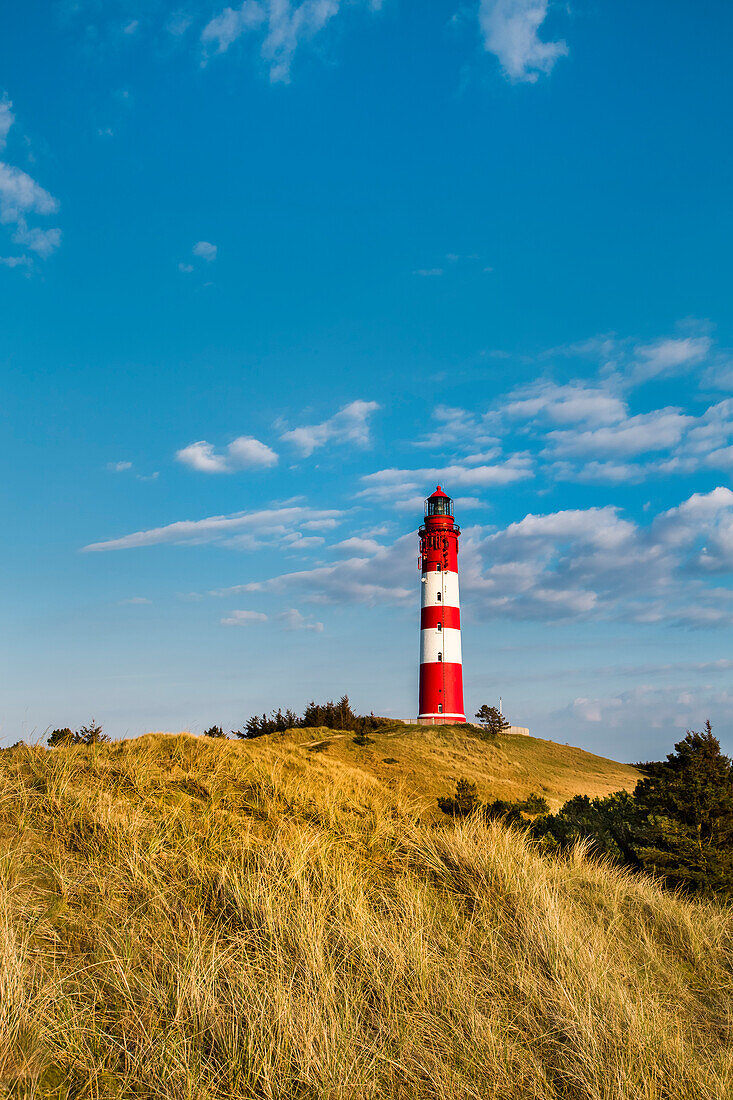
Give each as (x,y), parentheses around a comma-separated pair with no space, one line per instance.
(466,801)
(87,735)
(188,917)
(491,720)
(425,762)
(214,731)
(677,823)
(330,715)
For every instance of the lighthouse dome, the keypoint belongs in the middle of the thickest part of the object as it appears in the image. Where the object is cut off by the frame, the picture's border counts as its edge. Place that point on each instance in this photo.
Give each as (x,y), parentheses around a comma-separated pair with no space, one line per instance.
(439,504)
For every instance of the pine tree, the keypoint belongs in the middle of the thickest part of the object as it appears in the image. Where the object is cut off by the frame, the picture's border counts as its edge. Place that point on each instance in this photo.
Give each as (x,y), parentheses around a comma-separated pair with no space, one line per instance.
(92,735)
(491,720)
(694,786)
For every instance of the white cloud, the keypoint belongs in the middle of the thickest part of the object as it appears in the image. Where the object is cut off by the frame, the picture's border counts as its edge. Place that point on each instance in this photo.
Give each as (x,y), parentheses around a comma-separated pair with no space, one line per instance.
(349,425)
(248,451)
(118,467)
(240,530)
(469,502)
(574,403)
(135,601)
(703,526)
(387,577)
(131,27)
(178,23)
(428,272)
(393,484)
(692,443)
(205,251)
(7,118)
(652,706)
(594,563)
(358,545)
(21,197)
(510,29)
(283,24)
(19,194)
(669,356)
(296,541)
(575,564)
(293,620)
(244,618)
(600,473)
(625,363)
(226,27)
(654,431)
(460,430)
(185,268)
(584,429)
(41,241)
(243,452)
(719,375)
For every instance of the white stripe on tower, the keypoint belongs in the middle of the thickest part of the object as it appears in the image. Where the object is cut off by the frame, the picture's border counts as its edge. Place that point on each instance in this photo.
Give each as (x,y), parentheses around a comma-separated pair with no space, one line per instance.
(445,642)
(440,589)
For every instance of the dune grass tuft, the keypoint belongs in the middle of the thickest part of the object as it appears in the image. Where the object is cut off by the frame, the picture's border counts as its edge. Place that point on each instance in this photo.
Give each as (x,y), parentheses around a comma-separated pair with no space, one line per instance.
(194,920)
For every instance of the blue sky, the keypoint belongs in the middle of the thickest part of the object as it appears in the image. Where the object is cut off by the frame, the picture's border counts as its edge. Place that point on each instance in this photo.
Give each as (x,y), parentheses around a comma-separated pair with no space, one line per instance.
(269,272)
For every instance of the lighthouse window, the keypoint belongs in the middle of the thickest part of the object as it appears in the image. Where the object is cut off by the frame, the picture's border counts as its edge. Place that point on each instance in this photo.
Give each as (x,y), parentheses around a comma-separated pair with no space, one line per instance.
(440,627)
(440,708)
(438,567)
(440,596)
(440,656)
(440,507)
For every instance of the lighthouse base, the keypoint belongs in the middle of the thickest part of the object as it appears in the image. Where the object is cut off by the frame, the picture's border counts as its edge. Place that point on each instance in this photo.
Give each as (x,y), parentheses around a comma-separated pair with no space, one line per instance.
(440,701)
(440,719)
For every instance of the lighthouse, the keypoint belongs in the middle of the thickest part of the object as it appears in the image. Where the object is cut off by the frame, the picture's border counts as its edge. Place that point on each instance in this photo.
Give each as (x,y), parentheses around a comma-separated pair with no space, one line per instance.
(441,669)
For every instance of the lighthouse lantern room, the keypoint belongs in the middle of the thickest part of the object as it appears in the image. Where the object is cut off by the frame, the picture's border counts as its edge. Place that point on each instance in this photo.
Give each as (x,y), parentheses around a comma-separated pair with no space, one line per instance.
(441,670)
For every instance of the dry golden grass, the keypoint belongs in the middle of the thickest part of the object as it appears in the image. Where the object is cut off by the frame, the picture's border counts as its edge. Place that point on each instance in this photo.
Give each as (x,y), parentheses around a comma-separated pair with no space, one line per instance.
(427,761)
(192,920)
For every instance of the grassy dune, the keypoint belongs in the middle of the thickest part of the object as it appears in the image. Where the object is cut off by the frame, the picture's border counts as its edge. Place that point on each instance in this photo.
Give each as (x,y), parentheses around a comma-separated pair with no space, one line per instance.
(185,919)
(426,761)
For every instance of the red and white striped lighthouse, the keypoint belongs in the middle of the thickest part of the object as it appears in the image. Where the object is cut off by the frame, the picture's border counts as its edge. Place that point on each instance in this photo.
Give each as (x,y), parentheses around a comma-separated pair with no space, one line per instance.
(441,669)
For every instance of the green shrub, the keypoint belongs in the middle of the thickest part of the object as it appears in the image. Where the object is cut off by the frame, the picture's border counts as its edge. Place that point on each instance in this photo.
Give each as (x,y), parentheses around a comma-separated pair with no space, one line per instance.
(63,736)
(464,802)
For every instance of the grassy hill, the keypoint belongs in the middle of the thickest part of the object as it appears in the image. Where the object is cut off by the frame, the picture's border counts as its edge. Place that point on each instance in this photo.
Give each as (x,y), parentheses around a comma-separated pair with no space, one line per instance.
(185,918)
(426,761)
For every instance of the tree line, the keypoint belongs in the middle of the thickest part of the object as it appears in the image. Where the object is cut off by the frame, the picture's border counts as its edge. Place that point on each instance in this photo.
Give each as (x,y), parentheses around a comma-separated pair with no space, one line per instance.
(335,716)
(331,715)
(87,735)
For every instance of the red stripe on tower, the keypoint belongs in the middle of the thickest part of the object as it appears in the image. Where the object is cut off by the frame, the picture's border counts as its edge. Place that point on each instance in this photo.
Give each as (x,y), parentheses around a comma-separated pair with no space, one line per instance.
(441,667)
